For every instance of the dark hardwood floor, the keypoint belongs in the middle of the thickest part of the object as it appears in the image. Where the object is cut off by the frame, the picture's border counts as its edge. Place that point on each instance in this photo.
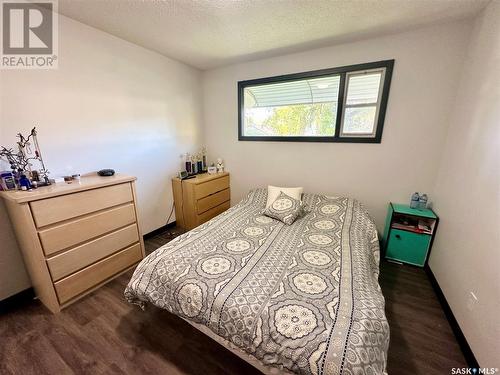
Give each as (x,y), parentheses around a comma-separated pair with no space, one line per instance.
(422,341)
(102,334)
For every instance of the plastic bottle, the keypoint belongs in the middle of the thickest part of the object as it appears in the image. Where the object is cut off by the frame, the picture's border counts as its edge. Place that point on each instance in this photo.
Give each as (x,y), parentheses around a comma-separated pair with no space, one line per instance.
(422,202)
(414,202)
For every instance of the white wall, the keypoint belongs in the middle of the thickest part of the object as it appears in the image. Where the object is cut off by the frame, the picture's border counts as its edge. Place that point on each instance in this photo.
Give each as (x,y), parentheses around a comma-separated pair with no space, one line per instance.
(111,104)
(466,253)
(424,83)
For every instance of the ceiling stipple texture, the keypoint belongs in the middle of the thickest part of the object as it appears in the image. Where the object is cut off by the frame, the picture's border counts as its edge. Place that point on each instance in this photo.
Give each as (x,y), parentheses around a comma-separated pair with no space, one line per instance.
(211,33)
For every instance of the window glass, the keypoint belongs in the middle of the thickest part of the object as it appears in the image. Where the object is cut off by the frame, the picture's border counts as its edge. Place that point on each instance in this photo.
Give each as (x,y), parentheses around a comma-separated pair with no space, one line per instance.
(345,104)
(361,103)
(359,120)
(306,107)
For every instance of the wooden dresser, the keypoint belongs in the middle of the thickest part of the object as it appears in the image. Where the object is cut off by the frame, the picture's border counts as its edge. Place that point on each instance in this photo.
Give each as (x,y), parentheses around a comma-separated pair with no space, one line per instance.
(76,237)
(201,198)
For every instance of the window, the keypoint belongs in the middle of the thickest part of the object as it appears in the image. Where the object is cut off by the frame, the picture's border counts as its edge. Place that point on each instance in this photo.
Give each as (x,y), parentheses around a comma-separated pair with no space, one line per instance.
(344,104)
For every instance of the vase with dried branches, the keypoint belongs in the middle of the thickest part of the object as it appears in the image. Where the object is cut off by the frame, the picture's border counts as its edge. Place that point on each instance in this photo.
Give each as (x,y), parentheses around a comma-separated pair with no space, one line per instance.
(24,158)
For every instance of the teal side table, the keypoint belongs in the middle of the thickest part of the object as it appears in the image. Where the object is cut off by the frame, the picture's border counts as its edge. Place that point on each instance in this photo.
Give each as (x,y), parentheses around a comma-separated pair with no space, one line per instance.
(409,234)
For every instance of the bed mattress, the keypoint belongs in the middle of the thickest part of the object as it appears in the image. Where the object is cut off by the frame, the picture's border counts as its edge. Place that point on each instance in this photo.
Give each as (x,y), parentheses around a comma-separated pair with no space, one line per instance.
(303,298)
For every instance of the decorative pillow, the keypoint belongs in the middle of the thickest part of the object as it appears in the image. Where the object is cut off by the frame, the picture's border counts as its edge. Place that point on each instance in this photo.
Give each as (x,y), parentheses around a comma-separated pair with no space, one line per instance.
(274,191)
(285,209)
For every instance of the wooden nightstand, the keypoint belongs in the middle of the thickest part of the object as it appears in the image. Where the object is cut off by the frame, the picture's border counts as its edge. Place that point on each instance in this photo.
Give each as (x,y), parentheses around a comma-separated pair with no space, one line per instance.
(199,199)
(409,234)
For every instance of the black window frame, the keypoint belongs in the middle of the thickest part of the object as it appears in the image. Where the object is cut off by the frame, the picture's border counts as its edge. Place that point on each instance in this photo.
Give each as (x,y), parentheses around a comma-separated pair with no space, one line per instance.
(342,71)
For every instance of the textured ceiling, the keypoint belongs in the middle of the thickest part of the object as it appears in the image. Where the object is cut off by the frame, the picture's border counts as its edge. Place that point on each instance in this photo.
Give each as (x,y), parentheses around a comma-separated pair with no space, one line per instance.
(211,33)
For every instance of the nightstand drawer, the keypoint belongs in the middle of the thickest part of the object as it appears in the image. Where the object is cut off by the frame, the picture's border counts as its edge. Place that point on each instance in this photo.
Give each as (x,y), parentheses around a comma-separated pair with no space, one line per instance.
(212,201)
(213,212)
(210,187)
(408,247)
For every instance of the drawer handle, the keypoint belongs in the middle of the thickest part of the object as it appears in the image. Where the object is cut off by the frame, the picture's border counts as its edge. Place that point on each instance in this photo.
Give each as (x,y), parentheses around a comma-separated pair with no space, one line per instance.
(398,236)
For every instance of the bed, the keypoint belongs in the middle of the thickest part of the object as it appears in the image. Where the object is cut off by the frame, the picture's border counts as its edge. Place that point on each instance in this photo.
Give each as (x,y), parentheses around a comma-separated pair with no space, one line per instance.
(301,298)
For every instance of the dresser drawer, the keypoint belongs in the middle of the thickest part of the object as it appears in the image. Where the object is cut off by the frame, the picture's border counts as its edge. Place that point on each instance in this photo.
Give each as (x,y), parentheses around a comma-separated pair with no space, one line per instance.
(53,210)
(213,212)
(204,204)
(72,260)
(408,247)
(83,229)
(210,187)
(91,276)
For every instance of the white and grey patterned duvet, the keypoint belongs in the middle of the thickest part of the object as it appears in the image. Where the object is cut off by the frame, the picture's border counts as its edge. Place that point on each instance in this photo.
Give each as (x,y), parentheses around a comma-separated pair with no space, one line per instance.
(303,297)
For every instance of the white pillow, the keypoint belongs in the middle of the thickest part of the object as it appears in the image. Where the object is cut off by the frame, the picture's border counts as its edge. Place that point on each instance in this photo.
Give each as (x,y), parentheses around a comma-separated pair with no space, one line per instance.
(274,191)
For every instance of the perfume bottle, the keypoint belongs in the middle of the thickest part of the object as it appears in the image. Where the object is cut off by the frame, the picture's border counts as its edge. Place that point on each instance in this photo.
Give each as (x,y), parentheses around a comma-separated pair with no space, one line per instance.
(194,167)
(199,163)
(204,159)
(188,163)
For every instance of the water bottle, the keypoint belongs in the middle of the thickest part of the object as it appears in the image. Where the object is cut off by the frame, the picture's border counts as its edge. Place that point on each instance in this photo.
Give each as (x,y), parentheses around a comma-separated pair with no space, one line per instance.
(414,203)
(422,202)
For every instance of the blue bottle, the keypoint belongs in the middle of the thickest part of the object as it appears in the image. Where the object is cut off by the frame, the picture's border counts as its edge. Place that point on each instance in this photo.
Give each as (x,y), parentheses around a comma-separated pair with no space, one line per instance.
(24,182)
(414,200)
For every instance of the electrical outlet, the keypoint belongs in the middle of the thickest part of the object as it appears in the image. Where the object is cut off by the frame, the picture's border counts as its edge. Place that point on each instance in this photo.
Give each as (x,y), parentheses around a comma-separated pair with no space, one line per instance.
(471,301)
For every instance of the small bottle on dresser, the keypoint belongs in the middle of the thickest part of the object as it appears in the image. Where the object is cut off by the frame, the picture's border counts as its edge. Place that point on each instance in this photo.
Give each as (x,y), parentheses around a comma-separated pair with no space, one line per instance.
(422,201)
(414,202)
